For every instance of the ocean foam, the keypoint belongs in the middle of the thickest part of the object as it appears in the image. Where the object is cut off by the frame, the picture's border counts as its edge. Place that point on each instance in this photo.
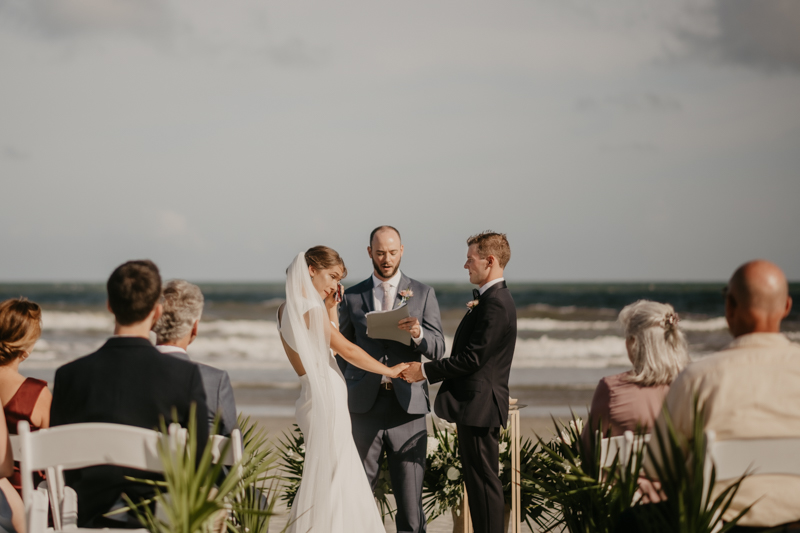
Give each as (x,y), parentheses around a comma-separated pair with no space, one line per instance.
(712,324)
(256,343)
(82,321)
(550,324)
(580,353)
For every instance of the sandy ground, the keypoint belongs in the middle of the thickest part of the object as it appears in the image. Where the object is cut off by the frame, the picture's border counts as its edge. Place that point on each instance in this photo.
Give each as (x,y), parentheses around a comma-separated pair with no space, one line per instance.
(537,400)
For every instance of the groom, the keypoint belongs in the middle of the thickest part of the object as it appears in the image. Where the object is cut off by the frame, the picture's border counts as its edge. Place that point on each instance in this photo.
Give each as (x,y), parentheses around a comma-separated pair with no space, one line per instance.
(390,414)
(474,392)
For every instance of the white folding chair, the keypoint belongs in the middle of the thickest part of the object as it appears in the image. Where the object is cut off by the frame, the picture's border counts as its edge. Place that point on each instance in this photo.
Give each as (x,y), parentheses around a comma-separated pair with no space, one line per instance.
(622,447)
(735,457)
(80,446)
(234,452)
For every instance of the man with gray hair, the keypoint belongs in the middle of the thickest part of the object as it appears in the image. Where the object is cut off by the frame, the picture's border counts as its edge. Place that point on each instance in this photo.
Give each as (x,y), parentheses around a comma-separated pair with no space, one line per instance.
(175,331)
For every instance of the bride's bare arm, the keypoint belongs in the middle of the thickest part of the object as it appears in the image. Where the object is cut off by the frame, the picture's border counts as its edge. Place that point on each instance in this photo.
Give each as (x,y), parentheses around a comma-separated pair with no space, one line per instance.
(358,357)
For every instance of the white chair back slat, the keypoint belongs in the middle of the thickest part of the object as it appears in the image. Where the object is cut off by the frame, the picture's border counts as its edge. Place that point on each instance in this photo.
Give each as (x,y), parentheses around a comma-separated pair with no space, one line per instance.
(234,451)
(623,445)
(80,446)
(610,448)
(732,458)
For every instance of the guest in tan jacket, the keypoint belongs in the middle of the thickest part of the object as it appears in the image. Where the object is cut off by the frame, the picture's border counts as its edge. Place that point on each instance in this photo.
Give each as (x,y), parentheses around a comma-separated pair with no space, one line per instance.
(751,389)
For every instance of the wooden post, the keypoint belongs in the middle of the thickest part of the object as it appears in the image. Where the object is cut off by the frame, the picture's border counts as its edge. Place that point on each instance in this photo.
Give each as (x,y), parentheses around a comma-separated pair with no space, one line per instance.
(516,489)
(466,519)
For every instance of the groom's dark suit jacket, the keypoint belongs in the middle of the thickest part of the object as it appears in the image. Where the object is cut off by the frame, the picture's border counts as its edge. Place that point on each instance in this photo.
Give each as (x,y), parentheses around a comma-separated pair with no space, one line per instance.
(127,381)
(475,388)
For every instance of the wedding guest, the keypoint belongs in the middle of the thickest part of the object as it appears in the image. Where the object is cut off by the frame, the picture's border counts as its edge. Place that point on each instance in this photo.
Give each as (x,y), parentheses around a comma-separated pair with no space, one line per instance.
(23,398)
(127,381)
(749,390)
(657,349)
(176,330)
(12,510)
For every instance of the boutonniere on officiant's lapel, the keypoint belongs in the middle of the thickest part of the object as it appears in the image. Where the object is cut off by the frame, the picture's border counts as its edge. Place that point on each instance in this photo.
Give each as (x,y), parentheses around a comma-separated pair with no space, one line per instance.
(406,295)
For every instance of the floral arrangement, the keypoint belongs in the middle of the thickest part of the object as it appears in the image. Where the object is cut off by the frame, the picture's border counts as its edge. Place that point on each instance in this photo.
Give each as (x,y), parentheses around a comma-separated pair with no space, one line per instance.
(292,456)
(443,488)
(442,484)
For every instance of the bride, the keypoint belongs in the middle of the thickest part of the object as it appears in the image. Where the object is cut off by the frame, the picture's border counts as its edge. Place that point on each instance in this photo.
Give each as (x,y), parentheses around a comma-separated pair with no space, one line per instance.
(334,494)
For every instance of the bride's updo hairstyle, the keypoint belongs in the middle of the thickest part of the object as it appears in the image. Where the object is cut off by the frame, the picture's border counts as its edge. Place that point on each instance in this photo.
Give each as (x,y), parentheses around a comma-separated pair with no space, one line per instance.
(659,350)
(20,327)
(322,258)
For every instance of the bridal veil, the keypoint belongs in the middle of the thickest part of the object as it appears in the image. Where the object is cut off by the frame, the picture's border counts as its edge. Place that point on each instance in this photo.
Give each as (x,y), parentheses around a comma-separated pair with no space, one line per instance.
(311,340)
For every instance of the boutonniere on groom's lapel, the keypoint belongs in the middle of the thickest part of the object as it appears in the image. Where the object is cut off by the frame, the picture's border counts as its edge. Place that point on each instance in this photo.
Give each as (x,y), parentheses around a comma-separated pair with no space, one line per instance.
(474,303)
(405,295)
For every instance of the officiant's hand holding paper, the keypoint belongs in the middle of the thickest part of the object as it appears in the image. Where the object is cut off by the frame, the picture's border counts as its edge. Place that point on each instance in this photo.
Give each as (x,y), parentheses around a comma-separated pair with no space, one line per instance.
(413,373)
(411,325)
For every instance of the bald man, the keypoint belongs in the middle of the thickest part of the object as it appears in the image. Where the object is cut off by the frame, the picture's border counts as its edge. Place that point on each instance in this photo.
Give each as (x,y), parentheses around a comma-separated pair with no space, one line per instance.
(750,389)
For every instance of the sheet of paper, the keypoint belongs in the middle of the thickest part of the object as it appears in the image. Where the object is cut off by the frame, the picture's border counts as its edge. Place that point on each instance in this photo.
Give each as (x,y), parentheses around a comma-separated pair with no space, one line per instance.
(383,325)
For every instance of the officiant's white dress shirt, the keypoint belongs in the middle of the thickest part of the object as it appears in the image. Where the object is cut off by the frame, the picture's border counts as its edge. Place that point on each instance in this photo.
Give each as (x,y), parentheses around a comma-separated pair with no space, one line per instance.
(377,303)
(481,290)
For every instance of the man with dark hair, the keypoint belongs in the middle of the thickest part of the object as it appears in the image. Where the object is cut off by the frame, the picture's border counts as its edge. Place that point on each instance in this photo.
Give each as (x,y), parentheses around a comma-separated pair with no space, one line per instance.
(127,381)
(389,414)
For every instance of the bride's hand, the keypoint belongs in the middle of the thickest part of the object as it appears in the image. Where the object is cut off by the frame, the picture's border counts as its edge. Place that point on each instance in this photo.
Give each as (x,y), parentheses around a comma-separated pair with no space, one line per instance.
(396,370)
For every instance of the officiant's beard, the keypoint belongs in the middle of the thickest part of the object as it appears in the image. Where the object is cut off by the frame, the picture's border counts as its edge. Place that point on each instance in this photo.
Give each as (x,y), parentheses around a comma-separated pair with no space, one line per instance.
(379,270)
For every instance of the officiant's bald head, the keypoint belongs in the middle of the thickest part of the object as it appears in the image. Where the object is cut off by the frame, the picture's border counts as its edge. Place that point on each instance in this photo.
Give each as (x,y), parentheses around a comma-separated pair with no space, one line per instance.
(382,229)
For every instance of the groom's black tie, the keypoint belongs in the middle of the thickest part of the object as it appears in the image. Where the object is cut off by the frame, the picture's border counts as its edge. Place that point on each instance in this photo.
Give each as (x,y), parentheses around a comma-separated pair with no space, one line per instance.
(476,294)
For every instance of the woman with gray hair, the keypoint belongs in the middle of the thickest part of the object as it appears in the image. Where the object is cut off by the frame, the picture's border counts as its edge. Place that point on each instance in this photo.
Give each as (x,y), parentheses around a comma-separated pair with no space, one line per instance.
(657,349)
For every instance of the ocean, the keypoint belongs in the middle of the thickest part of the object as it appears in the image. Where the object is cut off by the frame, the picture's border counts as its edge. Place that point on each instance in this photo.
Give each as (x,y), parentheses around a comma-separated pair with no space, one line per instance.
(567,332)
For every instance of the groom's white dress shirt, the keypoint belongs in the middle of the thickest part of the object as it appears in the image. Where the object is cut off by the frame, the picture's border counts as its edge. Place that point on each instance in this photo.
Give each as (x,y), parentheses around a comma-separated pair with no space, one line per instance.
(480,291)
(377,302)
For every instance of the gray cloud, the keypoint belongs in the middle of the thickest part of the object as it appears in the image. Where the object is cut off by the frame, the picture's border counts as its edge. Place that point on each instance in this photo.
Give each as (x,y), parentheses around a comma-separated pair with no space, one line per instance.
(630,102)
(9,152)
(764,34)
(295,52)
(66,18)
(632,147)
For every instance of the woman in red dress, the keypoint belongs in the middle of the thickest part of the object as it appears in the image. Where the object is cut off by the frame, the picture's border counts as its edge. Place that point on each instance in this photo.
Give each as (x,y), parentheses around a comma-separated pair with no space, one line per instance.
(23,398)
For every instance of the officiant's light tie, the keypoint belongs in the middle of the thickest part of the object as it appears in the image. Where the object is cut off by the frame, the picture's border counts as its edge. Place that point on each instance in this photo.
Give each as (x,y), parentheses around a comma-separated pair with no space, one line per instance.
(387,301)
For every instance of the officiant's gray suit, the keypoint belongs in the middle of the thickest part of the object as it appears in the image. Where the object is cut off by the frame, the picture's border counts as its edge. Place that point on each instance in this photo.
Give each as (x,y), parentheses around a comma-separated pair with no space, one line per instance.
(392,418)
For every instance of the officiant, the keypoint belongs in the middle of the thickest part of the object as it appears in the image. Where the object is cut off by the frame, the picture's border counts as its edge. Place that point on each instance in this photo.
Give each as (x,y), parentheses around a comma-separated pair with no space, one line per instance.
(388,415)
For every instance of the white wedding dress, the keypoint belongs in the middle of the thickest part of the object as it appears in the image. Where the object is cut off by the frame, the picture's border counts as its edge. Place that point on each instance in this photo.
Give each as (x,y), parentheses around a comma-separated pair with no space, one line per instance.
(334,494)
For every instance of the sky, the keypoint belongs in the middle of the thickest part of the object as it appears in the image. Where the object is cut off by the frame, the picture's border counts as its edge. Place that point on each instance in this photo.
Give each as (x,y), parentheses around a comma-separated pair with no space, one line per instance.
(625,140)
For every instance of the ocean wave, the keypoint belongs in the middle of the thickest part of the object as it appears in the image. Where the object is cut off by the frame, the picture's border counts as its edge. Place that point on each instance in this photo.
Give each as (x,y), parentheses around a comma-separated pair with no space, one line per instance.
(256,343)
(242,328)
(551,324)
(78,321)
(712,324)
(92,321)
(602,351)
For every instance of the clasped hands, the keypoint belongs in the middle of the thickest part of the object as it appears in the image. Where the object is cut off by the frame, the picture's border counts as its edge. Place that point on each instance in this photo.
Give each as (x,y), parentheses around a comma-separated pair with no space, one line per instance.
(411,372)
